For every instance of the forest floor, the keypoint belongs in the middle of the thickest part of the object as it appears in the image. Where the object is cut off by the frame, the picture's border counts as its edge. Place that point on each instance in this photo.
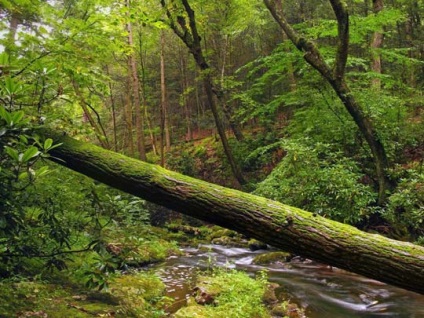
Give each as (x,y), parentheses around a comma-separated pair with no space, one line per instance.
(139,292)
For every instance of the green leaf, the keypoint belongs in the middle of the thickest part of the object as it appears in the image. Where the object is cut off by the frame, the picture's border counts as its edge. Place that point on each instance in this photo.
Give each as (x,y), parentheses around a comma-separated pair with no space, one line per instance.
(48,143)
(8,118)
(55,146)
(23,175)
(3,130)
(12,153)
(17,117)
(10,86)
(30,153)
(42,171)
(3,112)
(23,139)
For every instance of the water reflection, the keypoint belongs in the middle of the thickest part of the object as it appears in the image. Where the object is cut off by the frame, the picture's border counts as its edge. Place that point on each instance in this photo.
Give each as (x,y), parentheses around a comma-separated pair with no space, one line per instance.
(322,290)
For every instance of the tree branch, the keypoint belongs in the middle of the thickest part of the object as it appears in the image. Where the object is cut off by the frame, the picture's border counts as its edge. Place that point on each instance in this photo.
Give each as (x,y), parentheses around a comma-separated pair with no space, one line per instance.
(340,10)
(312,54)
(182,33)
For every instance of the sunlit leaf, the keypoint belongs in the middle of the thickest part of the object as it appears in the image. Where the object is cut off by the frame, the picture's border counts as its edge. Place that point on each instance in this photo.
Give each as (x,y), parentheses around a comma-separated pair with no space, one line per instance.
(23,175)
(42,171)
(30,153)
(48,143)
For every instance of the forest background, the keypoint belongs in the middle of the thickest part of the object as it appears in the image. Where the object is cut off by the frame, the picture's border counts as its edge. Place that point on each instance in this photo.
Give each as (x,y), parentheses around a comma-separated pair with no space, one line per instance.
(318,105)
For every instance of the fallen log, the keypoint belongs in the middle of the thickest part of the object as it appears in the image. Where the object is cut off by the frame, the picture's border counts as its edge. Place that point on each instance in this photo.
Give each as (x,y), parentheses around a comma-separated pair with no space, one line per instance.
(282,226)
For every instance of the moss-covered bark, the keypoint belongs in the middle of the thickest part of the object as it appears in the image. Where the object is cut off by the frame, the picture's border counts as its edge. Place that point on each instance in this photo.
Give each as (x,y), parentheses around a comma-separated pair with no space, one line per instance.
(291,229)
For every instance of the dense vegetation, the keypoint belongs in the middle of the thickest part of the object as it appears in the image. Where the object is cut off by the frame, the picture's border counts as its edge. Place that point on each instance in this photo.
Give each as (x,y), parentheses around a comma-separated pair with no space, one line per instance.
(292,105)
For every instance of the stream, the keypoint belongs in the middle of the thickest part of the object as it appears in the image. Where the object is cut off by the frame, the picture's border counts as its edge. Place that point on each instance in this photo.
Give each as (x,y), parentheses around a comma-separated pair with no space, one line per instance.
(321,290)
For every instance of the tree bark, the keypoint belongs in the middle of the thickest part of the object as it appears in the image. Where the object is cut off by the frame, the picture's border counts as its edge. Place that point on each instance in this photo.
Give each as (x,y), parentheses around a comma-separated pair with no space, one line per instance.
(185,94)
(220,94)
(165,139)
(376,44)
(282,226)
(129,140)
(135,84)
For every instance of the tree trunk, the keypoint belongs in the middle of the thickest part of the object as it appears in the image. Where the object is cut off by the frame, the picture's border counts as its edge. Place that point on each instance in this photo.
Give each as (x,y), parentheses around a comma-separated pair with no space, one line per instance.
(190,36)
(220,94)
(146,117)
(135,84)
(185,95)
(98,130)
(165,139)
(285,227)
(129,140)
(113,109)
(376,44)
(15,20)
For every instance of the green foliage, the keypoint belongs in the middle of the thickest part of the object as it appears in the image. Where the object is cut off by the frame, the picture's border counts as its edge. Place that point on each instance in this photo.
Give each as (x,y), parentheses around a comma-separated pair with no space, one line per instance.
(184,162)
(47,214)
(405,209)
(141,295)
(235,295)
(320,181)
(25,230)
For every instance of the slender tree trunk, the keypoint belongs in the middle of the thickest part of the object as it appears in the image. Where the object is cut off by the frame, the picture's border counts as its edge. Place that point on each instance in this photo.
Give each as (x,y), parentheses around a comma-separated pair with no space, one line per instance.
(112,104)
(189,35)
(98,131)
(282,226)
(185,86)
(144,94)
(164,99)
(409,26)
(135,84)
(152,136)
(228,111)
(15,19)
(376,44)
(129,117)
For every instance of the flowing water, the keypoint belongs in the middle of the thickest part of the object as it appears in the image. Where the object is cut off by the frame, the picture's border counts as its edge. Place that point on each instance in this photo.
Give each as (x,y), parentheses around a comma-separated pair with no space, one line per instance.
(321,290)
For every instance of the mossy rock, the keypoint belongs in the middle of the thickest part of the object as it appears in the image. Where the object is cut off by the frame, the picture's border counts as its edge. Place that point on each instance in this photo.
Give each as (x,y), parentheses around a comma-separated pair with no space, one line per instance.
(272,257)
(269,297)
(192,311)
(145,285)
(229,241)
(287,310)
(217,232)
(255,245)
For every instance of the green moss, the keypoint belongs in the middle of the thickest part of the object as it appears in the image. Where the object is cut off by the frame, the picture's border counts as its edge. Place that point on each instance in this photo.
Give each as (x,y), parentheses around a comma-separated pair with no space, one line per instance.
(230,294)
(272,257)
(143,284)
(217,232)
(54,301)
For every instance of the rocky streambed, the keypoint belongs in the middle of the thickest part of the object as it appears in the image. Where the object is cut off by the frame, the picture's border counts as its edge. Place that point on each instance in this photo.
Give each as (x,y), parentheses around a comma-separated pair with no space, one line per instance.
(322,291)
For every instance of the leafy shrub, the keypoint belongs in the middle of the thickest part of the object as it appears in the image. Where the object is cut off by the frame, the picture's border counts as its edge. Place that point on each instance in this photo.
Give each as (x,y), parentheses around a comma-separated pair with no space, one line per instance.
(183,162)
(319,181)
(405,207)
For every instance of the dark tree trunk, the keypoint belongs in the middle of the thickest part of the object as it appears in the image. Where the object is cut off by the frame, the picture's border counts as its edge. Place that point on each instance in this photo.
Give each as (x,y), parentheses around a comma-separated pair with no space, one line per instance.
(285,227)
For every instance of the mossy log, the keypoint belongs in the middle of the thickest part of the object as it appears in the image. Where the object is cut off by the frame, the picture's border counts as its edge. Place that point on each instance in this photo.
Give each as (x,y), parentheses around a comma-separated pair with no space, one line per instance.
(282,226)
